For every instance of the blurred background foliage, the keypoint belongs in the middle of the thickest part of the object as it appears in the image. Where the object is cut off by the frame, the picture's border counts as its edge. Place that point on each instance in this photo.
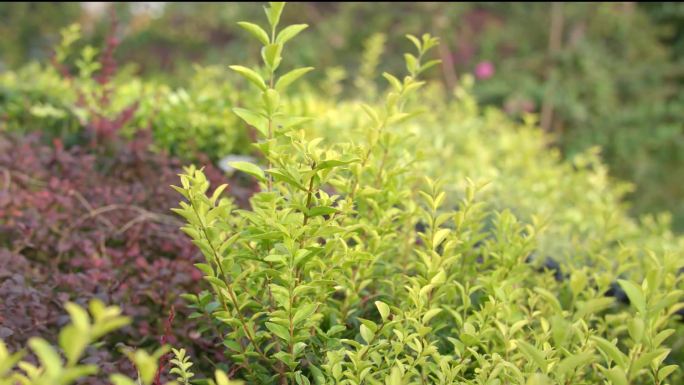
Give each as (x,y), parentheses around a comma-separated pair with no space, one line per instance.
(597,74)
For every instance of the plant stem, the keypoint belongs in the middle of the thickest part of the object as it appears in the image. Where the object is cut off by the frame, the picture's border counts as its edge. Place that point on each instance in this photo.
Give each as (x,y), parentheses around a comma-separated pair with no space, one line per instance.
(229,286)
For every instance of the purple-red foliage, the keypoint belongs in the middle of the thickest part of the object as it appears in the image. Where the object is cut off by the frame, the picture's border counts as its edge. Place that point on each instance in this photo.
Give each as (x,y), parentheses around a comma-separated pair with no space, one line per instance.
(74,225)
(94,221)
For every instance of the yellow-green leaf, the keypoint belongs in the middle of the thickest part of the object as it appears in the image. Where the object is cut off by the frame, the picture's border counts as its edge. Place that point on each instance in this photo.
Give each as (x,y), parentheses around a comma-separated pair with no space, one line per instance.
(617,376)
(367,334)
(383,309)
(533,354)
(289,32)
(571,363)
(290,77)
(250,169)
(250,75)
(609,349)
(255,30)
(635,295)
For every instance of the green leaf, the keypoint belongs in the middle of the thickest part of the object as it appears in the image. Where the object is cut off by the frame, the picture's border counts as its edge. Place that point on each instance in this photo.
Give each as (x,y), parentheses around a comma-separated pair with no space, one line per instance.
(250,75)
(635,295)
(222,378)
(662,336)
(334,163)
(79,317)
(294,121)
(367,334)
(321,210)
(402,117)
(253,119)
(73,342)
(303,312)
(72,374)
(394,377)
(538,379)
(255,30)
(271,99)
(549,297)
(411,63)
(276,258)
(217,282)
(429,65)
(7,361)
(205,268)
(415,42)
(429,42)
(439,278)
(271,55)
(371,113)
(440,236)
(290,77)
(298,348)
(278,330)
(233,345)
(533,354)
(644,360)
(120,379)
(609,349)
(284,176)
(289,32)
(616,375)
(593,306)
(335,330)
(273,13)
(250,169)
(665,371)
(430,314)
(383,309)
(217,193)
(396,84)
(319,378)
(635,327)
(47,356)
(571,363)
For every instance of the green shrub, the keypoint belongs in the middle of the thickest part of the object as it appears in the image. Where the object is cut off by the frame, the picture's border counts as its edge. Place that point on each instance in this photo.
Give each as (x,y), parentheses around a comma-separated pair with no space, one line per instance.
(613,80)
(352,267)
(74,339)
(189,122)
(392,247)
(195,119)
(81,334)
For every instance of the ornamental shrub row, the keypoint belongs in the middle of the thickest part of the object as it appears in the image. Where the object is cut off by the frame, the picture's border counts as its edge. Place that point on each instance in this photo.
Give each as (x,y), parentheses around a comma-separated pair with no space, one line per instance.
(354,267)
(398,239)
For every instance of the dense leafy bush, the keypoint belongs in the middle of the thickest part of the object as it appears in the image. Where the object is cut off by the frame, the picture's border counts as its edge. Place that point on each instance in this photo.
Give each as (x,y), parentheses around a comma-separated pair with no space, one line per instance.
(80,335)
(96,103)
(601,74)
(196,119)
(384,246)
(352,268)
(606,80)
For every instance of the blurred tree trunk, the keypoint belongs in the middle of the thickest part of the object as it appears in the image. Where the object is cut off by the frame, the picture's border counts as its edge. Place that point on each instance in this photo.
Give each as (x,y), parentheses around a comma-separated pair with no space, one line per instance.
(555,45)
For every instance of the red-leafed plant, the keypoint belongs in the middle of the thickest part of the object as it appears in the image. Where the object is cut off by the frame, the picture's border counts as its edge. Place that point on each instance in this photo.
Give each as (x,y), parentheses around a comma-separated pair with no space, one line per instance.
(75,226)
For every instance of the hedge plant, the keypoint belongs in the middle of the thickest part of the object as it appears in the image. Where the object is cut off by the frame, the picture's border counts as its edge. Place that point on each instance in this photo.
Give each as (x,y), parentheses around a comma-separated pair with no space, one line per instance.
(397,239)
(352,268)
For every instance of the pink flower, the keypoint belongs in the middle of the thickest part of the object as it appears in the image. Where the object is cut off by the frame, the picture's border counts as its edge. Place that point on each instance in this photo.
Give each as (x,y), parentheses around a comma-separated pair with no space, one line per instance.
(484,70)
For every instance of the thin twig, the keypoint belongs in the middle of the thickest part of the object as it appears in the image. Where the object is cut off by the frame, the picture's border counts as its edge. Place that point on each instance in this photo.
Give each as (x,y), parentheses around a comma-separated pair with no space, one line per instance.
(555,45)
